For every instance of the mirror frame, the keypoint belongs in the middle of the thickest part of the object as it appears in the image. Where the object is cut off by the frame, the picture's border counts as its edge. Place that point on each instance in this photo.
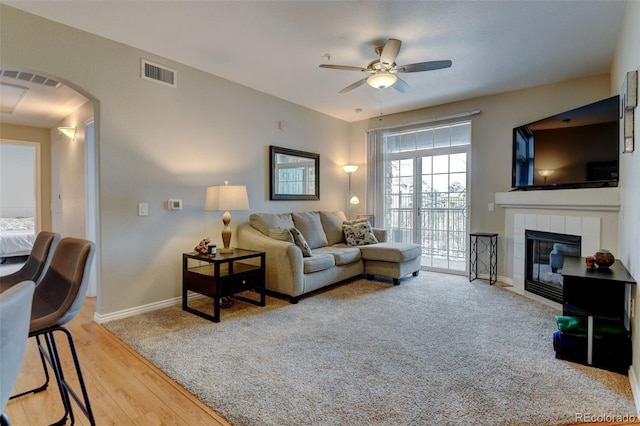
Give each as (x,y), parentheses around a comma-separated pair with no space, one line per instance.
(273,152)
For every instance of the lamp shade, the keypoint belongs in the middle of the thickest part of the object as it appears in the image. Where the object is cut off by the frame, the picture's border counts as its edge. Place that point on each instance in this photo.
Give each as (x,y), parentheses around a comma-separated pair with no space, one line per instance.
(349,168)
(226,198)
(381,80)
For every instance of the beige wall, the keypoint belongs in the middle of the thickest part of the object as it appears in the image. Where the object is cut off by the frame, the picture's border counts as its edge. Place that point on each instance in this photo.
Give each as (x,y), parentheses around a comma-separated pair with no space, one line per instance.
(158,142)
(491,149)
(39,136)
(628,59)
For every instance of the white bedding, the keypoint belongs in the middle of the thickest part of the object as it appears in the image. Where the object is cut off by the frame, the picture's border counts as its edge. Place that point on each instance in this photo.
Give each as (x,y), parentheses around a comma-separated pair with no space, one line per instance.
(16,236)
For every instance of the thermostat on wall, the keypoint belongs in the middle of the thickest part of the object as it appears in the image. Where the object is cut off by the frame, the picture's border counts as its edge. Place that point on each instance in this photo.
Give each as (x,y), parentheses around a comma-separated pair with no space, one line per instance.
(175,204)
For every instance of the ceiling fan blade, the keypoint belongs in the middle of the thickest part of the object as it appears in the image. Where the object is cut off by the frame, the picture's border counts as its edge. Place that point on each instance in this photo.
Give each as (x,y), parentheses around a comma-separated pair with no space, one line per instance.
(401,86)
(390,51)
(354,85)
(342,67)
(424,66)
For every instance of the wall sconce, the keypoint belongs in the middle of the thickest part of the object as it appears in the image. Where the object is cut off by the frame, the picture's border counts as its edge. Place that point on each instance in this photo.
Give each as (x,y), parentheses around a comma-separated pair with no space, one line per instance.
(69,132)
(222,198)
(381,80)
(545,174)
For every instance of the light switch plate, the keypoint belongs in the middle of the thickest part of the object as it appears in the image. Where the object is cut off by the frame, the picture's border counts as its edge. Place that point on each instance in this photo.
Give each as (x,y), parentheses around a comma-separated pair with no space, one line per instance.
(143,209)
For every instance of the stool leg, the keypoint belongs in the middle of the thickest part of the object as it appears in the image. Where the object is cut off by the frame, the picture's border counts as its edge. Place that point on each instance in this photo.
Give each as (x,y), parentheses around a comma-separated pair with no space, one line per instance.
(44,367)
(54,360)
(52,357)
(84,404)
(86,407)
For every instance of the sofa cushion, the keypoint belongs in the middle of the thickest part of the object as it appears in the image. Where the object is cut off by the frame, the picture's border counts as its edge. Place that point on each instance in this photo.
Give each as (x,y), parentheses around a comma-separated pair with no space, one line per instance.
(300,242)
(358,233)
(318,262)
(263,221)
(281,234)
(311,227)
(332,225)
(391,252)
(342,254)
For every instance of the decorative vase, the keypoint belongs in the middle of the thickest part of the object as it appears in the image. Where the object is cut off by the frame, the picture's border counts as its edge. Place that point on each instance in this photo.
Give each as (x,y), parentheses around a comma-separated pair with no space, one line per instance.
(603,258)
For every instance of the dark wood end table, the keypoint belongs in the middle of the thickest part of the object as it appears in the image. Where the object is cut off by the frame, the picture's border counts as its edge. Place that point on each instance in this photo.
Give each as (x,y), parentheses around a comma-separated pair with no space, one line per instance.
(223,275)
(600,293)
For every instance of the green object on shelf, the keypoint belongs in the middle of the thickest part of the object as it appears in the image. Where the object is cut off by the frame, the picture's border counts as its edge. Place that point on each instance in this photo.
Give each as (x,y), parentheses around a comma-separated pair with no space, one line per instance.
(572,325)
(577,326)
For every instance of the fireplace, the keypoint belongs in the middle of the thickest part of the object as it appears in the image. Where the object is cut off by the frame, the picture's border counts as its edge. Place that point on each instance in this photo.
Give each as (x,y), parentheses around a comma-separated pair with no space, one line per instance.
(544,256)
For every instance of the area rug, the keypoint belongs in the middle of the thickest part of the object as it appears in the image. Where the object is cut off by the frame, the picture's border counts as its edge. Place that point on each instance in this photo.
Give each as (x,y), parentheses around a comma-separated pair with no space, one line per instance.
(436,349)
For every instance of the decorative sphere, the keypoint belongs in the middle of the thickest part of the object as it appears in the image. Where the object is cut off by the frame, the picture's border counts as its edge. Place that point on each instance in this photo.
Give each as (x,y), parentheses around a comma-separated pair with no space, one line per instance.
(603,258)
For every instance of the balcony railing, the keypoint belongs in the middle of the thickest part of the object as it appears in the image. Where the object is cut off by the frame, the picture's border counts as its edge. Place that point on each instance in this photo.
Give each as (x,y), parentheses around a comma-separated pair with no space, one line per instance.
(441,230)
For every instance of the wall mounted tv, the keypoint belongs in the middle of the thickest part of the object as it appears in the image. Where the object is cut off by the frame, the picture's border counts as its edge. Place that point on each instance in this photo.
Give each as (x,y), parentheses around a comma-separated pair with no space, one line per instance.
(574,149)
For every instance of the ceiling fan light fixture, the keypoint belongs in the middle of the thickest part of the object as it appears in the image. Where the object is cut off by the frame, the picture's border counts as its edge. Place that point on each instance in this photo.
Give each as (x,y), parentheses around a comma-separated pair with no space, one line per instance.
(382,80)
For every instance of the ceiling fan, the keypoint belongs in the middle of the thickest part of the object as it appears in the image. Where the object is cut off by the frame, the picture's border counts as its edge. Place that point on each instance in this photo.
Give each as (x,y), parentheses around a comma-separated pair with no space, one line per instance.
(383,70)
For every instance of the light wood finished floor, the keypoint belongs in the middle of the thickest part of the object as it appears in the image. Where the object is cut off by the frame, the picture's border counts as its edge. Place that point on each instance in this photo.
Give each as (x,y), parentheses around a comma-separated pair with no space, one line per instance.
(125,389)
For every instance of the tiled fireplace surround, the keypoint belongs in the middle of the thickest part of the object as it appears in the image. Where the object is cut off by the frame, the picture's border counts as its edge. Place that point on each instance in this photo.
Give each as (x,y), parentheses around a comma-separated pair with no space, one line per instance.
(590,213)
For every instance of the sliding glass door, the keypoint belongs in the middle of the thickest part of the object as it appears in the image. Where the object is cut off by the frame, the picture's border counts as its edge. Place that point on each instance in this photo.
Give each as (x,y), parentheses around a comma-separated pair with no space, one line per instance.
(425,192)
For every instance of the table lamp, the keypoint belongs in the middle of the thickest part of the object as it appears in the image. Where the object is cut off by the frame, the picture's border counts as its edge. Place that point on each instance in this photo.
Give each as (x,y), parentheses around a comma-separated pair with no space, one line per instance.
(225,198)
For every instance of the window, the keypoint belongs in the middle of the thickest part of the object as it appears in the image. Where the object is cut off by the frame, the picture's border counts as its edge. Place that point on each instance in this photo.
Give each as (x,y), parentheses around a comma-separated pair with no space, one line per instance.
(424,183)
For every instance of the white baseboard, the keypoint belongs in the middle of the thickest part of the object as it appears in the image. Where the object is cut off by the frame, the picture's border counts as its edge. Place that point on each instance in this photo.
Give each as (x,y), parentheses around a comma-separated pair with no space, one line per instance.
(505,280)
(142,309)
(635,388)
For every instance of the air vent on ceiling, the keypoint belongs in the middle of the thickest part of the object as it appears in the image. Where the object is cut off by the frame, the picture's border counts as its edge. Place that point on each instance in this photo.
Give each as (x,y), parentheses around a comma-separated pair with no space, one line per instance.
(33,78)
(158,73)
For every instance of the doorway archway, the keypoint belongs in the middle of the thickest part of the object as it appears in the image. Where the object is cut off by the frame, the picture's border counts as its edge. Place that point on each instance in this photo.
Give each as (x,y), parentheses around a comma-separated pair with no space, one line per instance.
(43,105)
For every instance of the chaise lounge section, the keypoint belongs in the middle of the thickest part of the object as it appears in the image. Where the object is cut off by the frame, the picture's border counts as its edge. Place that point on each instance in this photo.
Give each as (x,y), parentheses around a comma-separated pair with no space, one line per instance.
(308,251)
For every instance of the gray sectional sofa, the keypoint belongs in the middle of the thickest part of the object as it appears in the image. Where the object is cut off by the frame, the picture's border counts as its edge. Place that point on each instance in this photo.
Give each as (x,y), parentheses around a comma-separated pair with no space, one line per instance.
(323,256)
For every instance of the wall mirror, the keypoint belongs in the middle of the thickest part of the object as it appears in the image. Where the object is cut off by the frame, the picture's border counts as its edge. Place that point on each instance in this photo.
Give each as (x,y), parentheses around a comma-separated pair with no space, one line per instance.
(295,175)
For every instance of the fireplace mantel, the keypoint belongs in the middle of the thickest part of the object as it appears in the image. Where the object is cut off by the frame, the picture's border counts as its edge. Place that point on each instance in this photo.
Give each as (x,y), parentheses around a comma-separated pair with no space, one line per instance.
(587,199)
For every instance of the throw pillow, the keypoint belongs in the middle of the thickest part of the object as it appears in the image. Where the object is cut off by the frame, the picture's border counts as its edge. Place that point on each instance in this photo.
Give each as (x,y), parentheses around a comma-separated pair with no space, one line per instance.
(281,234)
(358,233)
(263,221)
(311,227)
(300,242)
(354,221)
(332,224)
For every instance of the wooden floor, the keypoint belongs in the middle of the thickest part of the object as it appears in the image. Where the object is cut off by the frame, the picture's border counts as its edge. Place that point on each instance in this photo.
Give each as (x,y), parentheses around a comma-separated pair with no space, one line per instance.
(125,389)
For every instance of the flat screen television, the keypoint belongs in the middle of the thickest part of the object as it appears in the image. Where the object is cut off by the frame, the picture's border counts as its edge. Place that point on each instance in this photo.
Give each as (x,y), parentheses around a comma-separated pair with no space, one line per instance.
(574,149)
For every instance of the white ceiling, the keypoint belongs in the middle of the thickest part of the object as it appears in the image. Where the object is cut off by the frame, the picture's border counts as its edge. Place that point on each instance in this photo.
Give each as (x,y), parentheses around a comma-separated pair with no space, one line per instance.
(276,46)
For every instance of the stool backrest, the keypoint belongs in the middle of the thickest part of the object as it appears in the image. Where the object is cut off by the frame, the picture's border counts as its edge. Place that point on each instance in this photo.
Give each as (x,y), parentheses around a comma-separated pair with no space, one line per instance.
(37,262)
(15,307)
(61,290)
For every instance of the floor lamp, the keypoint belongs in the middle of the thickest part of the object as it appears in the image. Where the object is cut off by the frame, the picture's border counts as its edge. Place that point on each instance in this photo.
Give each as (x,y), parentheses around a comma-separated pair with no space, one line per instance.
(545,174)
(353,200)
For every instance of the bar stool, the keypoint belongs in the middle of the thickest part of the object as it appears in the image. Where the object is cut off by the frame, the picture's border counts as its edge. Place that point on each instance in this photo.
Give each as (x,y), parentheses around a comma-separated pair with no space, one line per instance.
(15,305)
(58,297)
(37,262)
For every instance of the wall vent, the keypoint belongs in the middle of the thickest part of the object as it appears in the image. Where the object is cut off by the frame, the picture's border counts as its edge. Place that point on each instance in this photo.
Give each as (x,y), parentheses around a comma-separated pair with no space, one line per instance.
(158,73)
(33,78)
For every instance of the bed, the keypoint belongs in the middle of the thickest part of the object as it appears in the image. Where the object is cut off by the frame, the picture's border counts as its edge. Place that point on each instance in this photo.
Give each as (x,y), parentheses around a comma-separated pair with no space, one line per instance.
(17,235)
